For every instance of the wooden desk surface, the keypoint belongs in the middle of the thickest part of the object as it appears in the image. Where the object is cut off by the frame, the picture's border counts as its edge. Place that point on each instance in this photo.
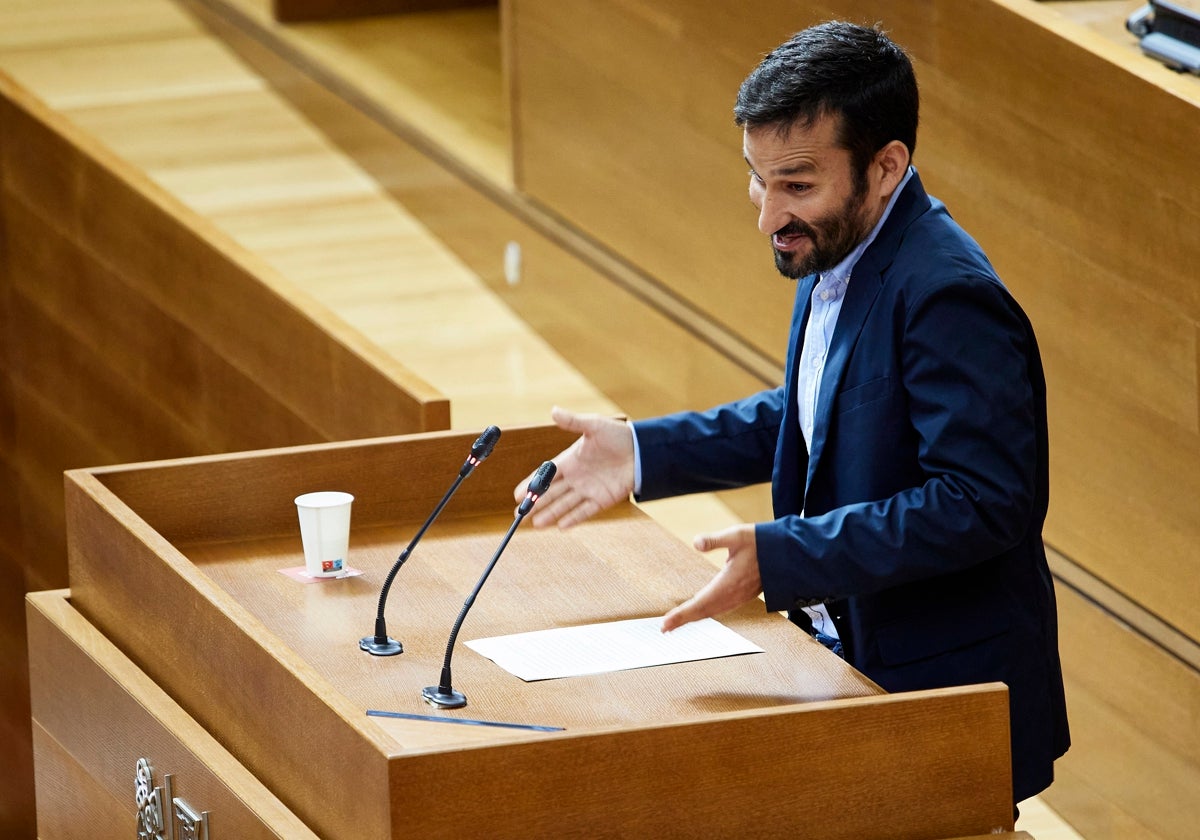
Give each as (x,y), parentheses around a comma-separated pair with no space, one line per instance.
(616,568)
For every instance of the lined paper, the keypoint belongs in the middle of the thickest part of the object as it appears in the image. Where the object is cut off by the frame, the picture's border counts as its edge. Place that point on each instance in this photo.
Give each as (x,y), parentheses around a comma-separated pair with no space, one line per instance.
(611,646)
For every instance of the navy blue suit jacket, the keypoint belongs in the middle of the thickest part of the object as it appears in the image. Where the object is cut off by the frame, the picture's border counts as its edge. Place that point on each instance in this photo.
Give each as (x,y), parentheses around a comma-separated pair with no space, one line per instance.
(918,514)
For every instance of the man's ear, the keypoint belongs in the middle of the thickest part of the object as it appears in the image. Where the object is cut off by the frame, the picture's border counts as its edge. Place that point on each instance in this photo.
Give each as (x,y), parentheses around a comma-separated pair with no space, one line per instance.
(892,162)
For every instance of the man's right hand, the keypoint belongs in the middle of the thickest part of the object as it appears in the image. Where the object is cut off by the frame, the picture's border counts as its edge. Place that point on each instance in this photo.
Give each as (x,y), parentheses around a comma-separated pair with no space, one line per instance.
(594,473)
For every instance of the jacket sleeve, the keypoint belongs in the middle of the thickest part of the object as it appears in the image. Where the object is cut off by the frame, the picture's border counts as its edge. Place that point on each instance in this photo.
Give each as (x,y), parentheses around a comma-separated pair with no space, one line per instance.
(732,445)
(969,482)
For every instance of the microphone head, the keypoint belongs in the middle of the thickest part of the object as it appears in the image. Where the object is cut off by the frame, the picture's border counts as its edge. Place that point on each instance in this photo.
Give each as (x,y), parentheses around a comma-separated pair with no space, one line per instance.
(485,443)
(537,486)
(540,482)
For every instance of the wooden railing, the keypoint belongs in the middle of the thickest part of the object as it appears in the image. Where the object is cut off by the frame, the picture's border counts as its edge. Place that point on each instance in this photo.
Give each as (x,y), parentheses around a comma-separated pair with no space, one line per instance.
(131,329)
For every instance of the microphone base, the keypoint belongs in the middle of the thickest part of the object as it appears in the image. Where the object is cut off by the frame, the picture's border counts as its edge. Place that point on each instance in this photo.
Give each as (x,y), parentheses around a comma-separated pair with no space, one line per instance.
(389,648)
(451,699)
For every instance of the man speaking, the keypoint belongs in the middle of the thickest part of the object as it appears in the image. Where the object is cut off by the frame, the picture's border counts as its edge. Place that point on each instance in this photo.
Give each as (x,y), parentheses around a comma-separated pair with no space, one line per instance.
(906,448)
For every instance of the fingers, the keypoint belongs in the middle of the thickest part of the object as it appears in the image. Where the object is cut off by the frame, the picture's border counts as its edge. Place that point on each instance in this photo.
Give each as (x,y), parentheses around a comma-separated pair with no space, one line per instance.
(737,582)
(729,538)
(568,420)
(564,508)
(685,613)
(719,595)
(594,472)
(587,425)
(548,499)
(714,598)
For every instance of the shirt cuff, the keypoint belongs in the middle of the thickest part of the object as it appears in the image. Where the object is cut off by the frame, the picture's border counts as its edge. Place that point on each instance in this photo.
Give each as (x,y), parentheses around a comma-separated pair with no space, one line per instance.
(637,460)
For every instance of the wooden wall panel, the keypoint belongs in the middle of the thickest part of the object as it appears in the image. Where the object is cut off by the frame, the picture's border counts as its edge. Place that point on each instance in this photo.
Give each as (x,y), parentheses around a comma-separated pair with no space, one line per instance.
(17,814)
(251,318)
(623,124)
(1134,767)
(17,798)
(1085,202)
(291,11)
(1065,162)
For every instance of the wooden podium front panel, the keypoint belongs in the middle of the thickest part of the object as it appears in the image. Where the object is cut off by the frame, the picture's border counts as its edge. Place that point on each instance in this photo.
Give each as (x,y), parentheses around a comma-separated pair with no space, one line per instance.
(272,667)
(898,766)
(95,715)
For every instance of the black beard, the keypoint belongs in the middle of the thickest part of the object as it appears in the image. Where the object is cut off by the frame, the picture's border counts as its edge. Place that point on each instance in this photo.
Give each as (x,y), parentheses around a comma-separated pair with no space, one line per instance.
(832,240)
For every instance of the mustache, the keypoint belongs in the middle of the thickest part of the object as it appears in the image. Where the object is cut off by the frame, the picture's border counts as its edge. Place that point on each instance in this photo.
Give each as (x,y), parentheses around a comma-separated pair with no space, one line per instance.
(796,228)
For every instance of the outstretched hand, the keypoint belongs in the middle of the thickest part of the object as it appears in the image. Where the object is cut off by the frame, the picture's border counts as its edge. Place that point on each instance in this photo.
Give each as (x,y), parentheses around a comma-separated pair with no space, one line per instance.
(737,582)
(594,473)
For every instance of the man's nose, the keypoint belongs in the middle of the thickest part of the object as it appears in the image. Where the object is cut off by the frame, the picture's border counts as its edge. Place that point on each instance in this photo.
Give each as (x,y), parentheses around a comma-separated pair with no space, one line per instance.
(772,215)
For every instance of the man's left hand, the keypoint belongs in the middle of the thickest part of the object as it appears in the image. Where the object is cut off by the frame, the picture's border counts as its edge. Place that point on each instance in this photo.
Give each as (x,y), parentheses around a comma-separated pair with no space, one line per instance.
(736,583)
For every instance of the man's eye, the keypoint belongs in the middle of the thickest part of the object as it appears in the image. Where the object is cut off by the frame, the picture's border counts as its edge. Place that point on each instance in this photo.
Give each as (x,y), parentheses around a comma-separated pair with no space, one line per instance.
(798,187)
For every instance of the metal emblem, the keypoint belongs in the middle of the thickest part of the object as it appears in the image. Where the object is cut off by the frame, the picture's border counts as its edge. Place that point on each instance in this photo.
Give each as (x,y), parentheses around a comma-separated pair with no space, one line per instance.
(153,821)
(192,825)
(161,816)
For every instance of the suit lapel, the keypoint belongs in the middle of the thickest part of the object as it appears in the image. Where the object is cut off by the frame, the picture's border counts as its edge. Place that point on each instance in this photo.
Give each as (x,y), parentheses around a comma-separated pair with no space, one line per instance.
(866,280)
(790,454)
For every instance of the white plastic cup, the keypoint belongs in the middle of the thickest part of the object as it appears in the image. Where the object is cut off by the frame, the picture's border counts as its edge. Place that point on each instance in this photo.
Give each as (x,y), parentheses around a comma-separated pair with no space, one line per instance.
(325,531)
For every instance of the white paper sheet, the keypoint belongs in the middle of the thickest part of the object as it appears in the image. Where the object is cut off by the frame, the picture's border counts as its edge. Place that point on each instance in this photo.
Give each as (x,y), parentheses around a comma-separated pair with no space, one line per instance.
(613,646)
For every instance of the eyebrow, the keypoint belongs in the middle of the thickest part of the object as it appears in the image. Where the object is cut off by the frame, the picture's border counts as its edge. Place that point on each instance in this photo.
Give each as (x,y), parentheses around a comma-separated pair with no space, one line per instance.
(797,169)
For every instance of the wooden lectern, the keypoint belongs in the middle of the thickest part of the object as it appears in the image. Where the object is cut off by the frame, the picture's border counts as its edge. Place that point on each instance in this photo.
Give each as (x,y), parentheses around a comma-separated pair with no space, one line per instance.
(176,594)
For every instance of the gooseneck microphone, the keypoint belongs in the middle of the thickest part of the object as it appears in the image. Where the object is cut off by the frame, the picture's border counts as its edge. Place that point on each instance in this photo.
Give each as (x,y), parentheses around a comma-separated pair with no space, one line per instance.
(443,695)
(380,644)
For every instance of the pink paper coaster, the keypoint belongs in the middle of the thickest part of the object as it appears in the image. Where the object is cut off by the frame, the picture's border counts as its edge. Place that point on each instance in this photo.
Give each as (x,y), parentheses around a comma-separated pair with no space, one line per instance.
(301,575)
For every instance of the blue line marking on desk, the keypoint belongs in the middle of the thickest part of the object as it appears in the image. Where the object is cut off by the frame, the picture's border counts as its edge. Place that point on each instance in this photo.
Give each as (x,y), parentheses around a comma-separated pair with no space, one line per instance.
(466,721)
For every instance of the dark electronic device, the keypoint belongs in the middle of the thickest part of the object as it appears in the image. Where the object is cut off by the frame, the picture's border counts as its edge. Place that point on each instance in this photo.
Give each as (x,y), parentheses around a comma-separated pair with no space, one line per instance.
(1168,33)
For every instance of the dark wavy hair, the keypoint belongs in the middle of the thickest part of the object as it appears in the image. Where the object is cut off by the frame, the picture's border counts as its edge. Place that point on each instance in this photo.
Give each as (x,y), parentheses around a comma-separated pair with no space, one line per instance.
(836,69)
